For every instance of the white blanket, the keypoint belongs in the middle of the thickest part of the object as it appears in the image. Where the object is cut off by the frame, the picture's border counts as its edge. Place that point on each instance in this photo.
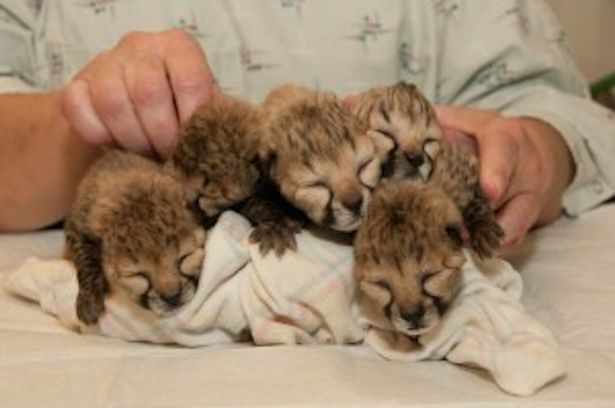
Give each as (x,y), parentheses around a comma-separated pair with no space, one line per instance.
(308,297)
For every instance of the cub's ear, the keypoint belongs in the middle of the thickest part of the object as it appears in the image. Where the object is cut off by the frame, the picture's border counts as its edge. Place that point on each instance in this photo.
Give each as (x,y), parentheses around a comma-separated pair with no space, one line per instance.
(405,86)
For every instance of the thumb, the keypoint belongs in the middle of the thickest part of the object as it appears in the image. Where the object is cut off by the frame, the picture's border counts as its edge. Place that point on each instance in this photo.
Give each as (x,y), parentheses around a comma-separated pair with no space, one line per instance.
(456,137)
(517,216)
(467,120)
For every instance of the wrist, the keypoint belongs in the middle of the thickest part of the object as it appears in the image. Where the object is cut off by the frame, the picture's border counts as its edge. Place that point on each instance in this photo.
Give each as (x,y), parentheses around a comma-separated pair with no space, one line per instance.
(558,166)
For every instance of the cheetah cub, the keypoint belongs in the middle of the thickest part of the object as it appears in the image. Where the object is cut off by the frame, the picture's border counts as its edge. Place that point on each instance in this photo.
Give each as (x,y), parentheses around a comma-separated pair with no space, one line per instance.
(317,157)
(130,230)
(401,117)
(408,257)
(217,158)
(403,123)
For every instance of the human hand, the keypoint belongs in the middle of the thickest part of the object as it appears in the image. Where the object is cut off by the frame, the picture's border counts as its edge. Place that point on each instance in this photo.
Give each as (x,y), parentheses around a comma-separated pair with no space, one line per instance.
(136,94)
(525,165)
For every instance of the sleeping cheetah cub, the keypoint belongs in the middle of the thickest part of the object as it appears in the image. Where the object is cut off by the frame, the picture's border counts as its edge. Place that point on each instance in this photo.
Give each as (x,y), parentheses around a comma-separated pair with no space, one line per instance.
(401,117)
(217,158)
(130,230)
(408,255)
(317,158)
(403,123)
(216,155)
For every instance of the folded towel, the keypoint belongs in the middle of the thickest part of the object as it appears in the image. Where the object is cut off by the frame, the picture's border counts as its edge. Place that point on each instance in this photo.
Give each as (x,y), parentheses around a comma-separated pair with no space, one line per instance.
(308,297)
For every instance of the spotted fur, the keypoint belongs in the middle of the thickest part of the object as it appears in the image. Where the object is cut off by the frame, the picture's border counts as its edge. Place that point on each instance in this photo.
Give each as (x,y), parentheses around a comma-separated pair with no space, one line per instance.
(403,124)
(408,255)
(216,156)
(317,157)
(456,172)
(130,230)
(401,117)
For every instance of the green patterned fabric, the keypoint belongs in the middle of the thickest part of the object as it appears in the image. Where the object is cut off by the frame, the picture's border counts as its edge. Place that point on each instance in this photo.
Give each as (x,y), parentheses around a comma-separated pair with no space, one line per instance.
(507,55)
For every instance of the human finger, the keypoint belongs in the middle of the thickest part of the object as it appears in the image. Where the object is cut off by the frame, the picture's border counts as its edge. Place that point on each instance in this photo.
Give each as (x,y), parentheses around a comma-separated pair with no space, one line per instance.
(499,157)
(350,101)
(516,217)
(115,108)
(189,73)
(79,111)
(467,120)
(152,97)
(456,137)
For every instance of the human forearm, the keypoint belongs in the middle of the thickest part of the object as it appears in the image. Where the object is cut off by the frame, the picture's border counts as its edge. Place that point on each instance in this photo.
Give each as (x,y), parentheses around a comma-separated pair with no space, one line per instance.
(133,96)
(41,161)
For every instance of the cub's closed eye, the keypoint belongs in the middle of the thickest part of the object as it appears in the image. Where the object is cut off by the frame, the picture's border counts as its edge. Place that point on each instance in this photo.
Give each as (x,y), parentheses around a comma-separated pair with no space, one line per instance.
(369,172)
(135,274)
(430,140)
(388,135)
(430,146)
(317,184)
(365,163)
(386,287)
(382,284)
(182,258)
(425,279)
(139,279)
(189,265)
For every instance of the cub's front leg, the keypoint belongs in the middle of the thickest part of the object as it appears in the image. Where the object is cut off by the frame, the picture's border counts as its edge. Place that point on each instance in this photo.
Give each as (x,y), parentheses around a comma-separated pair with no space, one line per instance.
(275,221)
(86,253)
(456,172)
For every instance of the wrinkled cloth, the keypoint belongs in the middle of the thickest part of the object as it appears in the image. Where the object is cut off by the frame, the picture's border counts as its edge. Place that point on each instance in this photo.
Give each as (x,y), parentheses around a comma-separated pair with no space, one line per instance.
(308,297)
(485,327)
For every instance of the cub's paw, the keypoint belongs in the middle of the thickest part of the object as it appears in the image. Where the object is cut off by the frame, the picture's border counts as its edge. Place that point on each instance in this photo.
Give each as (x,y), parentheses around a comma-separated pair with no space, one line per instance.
(277,236)
(485,234)
(89,308)
(486,239)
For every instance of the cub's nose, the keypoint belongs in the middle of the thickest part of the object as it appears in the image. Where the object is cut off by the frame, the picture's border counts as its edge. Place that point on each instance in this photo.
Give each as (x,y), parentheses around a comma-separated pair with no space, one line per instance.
(172,300)
(353,202)
(414,316)
(415,159)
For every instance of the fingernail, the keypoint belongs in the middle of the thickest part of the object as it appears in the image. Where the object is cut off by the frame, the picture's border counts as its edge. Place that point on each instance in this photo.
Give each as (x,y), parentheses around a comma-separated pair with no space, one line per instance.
(350,101)
(492,191)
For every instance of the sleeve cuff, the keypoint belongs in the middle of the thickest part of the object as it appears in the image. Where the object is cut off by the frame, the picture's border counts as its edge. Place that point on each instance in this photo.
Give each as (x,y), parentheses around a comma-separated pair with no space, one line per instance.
(577,122)
(10,83)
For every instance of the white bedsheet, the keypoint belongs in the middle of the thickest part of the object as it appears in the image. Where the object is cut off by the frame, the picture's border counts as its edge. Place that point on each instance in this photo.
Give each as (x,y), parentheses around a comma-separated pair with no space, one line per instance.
(569,276)
(307,297)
